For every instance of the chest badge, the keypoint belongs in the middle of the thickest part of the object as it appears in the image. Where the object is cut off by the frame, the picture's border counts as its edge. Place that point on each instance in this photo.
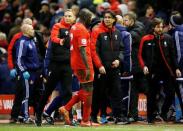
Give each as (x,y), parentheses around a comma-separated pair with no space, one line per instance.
(149,44)
(66,32)
(35,39)
(105,37)
(116,37)
(165,43)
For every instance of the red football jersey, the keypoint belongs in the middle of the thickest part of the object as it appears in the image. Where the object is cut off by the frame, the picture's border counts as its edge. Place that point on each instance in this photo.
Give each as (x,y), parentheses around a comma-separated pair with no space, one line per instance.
(80,37)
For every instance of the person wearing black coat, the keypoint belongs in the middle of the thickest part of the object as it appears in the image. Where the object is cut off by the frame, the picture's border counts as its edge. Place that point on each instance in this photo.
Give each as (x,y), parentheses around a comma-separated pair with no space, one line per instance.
(157,58)
(136,29)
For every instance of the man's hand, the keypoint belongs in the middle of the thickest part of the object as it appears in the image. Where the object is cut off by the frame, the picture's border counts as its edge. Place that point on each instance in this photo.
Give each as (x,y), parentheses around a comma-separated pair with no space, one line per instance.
(102,70)
(26,75)
(13,73)
(178,73)
(62,42)
(115,64)
(146,70)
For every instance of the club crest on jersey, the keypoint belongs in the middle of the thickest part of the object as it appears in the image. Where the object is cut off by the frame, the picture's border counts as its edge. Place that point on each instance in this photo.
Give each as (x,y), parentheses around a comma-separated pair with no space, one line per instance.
(66,32)
(165,44)
(116,37)
(83,41)
(105,37)
(149,44)
(35,39)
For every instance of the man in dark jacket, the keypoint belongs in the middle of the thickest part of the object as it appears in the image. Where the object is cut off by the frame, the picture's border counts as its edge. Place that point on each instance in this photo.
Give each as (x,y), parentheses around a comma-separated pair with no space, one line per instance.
(109,48)
(157,59)
(176,26)
(136,29)
(59,69)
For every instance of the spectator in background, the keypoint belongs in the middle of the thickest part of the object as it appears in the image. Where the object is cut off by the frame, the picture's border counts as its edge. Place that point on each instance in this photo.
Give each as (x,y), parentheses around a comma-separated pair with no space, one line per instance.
(114,6)
(6,23)
(132,5)
(56,12)
(147,17)
(3,8)
(16,28)
(101,8)
(3,41)
(123,9)
(44,14)
(75,9)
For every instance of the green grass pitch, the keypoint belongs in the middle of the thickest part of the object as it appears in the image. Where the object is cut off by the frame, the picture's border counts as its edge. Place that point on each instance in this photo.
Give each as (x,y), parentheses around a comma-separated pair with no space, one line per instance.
(131,127)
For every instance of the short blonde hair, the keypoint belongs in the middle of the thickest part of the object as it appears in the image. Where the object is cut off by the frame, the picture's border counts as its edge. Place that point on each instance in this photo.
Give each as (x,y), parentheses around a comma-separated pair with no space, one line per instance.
(27,21)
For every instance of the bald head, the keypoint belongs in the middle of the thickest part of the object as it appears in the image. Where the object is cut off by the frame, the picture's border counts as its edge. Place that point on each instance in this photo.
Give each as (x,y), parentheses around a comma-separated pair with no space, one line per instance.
(119,19)
(27,30)
(27,21)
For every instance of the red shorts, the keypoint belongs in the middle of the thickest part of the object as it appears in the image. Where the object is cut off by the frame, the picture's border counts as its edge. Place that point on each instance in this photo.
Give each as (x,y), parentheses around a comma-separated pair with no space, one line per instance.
(81,75)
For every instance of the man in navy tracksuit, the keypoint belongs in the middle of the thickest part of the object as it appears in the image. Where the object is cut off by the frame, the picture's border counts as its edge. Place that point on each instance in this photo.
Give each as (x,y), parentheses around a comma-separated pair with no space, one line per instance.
(126,67)
(27,63)
(176,24)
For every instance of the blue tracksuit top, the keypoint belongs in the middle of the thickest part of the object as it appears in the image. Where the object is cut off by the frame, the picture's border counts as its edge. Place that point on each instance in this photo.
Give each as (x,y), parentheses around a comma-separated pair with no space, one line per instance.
(26,54)
(127,41)
(178,38)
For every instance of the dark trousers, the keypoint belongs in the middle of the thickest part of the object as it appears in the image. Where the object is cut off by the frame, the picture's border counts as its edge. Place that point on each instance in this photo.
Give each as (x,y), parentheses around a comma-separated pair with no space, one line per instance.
(99,98)
(169,90)
(34,93)
(111,85)
(57,73)
(15,112)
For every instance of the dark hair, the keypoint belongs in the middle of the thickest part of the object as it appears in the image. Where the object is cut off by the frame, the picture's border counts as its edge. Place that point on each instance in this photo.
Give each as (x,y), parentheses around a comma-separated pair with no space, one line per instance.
(112,14)
(85,16)
(155,21)
(175,12)
(176,20)
(94,22)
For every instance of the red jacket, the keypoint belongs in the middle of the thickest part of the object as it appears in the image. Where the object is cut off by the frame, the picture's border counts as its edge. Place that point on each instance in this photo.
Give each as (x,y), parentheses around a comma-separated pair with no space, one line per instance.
(95,58)
(101,29)
(55,32)
(10,49)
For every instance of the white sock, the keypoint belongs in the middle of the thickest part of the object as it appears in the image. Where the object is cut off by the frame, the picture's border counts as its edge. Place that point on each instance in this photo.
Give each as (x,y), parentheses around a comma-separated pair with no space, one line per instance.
(78,111)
